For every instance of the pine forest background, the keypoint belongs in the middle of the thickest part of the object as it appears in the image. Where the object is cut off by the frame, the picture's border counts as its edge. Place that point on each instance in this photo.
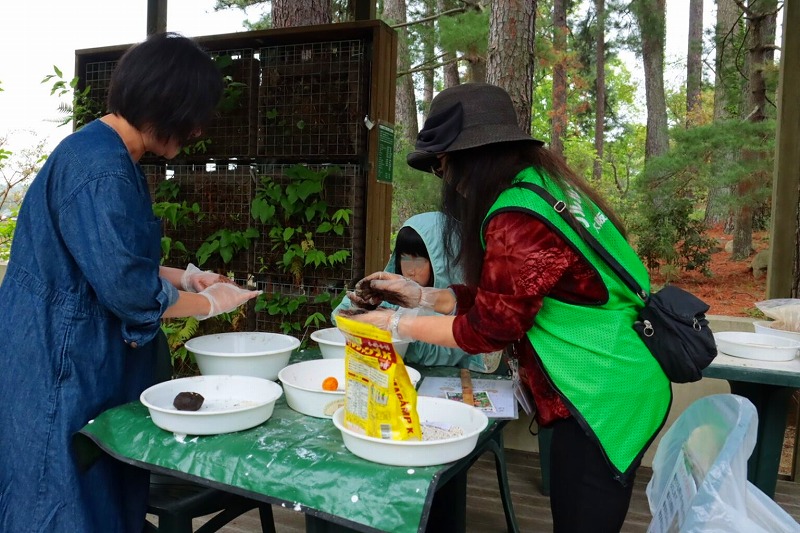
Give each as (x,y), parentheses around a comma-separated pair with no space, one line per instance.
(685,154)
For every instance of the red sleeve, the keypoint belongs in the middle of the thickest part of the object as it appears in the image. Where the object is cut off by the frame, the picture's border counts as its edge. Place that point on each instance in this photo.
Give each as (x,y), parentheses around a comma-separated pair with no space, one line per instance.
(524,261)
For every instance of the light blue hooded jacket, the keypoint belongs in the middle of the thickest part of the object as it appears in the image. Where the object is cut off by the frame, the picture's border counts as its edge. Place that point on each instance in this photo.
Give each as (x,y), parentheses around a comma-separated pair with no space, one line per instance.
(429,226)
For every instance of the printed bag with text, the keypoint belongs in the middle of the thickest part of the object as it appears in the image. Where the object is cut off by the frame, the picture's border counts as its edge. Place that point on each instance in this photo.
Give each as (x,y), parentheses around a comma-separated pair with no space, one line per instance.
(380,400)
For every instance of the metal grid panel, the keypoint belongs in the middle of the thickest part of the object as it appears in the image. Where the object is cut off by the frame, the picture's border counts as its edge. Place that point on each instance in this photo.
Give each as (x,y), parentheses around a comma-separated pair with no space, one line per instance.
(233,129)
(312,100)
(98,77)
(346,190)
(224,194)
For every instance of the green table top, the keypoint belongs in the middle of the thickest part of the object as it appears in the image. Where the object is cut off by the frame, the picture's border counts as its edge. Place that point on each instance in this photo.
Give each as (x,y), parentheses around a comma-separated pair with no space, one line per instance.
(774,373)
(291,459)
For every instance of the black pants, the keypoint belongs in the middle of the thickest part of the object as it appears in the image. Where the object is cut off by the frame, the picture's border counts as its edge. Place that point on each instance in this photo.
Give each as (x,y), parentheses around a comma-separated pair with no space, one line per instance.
(584,496)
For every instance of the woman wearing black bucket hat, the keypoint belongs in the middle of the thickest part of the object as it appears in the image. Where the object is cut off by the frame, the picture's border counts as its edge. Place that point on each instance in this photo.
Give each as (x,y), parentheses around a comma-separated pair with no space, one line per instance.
(534,286)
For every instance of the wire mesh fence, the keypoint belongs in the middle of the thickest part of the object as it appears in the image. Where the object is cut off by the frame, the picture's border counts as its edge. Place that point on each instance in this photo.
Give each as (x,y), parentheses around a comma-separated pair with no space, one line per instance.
(312,99)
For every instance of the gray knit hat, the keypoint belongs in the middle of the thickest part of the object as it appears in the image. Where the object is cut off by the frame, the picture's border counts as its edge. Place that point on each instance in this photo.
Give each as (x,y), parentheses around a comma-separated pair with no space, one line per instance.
(466,116)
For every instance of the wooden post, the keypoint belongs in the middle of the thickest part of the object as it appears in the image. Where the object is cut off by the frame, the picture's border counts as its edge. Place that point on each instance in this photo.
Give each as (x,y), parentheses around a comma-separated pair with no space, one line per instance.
(783,228)
(379,195)
(363,9)
(156,16)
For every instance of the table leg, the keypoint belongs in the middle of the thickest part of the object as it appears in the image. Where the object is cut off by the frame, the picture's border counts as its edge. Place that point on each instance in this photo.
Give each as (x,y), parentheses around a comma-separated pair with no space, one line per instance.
(496,447)
(772,404)
(449,507)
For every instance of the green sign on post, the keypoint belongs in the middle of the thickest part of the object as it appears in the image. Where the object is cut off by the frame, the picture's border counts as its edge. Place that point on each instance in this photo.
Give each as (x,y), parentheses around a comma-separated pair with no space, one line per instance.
(385,152)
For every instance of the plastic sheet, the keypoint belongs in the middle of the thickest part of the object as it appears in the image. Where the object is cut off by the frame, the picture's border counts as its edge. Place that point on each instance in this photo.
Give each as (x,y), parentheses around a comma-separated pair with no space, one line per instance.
(699,481)
(784,311)
(291,459)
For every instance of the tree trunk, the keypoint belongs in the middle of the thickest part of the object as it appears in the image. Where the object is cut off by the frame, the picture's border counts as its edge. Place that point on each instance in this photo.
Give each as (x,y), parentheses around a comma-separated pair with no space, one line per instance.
(450,69)
(558,117)
(428,49)
(476,65)
(600,90)
(725,65)
(756,104)
(405,116)
(726,77)
(510,53)
(650,15)
(290,13)
(694,61)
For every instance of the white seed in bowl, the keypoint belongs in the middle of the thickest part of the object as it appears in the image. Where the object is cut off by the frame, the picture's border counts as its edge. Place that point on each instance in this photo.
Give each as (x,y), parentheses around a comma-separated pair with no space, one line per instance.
(439,431)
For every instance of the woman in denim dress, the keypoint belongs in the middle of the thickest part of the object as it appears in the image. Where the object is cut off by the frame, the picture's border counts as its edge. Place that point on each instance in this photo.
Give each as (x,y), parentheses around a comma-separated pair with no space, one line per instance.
(84,295)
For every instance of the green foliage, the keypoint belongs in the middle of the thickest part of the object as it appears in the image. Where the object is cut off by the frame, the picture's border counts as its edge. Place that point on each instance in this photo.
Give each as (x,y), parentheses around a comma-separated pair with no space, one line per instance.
(226,244)
(177,215)
(413,191)
(465,31)
(290,307)
(83,108)
(670,226)
(7,227)
(296,215)
(178,331)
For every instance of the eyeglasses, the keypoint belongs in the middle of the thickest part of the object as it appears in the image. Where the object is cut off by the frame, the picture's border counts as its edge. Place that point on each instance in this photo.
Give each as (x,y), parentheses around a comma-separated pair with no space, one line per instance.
(437,170)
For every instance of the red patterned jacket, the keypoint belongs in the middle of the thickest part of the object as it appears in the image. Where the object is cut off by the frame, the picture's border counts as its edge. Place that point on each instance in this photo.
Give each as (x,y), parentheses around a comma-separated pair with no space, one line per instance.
(524,262)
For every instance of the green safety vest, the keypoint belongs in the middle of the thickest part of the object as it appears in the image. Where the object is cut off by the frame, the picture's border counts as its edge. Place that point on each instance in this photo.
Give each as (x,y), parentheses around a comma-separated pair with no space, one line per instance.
(596,361)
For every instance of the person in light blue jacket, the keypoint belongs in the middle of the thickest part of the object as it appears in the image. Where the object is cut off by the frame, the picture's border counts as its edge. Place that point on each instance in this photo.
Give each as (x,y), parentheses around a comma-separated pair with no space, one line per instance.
(419,254)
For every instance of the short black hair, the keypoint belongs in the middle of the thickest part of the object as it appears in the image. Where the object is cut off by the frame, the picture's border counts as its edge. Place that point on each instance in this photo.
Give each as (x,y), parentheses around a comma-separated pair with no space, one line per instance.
(408,242)
(166,85)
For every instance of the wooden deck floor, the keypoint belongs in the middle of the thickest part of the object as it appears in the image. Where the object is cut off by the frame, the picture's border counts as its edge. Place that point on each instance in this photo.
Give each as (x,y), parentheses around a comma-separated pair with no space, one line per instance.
(485,512)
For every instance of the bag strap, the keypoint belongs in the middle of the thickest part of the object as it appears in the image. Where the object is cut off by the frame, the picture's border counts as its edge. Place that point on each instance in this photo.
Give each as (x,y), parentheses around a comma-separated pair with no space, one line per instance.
(560,207)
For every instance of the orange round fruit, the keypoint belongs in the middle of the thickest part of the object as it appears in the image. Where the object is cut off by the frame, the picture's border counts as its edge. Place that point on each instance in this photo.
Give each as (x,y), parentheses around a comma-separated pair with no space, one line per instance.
(330,383)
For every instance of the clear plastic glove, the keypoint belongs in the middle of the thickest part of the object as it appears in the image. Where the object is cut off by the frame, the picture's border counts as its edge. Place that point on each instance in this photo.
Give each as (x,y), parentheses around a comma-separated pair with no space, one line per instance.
(196,280)
(225,297)
(393,288)
(388,319)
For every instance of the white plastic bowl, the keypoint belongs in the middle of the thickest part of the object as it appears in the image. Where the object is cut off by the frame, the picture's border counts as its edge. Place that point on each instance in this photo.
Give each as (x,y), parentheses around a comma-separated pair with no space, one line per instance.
(247,353)
(331,343)
(231,403)
(763,326)
(421,453)
(757,346)
(302,383)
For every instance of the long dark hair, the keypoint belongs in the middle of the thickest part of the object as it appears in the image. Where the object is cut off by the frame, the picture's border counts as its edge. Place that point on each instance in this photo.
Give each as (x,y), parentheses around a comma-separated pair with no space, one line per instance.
(474,179)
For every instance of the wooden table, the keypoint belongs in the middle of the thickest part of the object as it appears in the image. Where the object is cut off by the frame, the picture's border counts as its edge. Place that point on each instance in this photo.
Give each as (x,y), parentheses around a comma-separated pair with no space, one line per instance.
(769,385)
(300,462)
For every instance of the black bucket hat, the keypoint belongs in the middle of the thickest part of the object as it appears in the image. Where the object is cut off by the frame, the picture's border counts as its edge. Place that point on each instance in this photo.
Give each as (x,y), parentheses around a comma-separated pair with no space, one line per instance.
(466,116)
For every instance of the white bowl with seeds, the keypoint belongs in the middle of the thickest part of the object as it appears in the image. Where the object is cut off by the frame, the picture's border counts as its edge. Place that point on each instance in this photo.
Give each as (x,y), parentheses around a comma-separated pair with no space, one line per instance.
(450,431)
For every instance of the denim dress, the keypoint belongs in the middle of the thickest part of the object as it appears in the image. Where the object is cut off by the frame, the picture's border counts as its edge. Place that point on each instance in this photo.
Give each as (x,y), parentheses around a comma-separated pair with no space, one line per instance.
(81,304)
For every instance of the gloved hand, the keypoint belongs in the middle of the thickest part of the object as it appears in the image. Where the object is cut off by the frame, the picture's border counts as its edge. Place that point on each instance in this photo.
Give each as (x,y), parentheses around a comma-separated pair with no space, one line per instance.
(388,319)
(225,297)
(393,288)
(195,280)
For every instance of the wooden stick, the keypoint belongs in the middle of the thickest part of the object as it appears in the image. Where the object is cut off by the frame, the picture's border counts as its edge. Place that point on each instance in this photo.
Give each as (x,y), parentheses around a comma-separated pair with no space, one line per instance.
(466,387)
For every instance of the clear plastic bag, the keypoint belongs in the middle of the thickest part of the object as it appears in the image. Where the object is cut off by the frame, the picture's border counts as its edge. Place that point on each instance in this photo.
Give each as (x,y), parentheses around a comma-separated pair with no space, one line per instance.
(699,481)
(785,313)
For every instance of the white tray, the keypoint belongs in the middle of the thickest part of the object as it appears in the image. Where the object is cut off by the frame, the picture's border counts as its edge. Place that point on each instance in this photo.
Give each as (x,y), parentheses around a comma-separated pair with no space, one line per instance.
(232,403)
(757,346)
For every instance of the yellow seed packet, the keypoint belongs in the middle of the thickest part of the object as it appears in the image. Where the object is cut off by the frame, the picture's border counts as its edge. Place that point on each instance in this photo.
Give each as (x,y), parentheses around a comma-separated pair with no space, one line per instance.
(380,400)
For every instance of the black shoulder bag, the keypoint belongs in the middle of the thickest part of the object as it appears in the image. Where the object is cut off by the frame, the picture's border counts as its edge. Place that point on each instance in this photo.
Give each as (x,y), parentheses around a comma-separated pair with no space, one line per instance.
(672,323)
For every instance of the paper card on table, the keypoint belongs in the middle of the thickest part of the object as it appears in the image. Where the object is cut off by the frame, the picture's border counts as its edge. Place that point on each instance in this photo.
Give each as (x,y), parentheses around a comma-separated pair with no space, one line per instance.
(495,397)
(480,399)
